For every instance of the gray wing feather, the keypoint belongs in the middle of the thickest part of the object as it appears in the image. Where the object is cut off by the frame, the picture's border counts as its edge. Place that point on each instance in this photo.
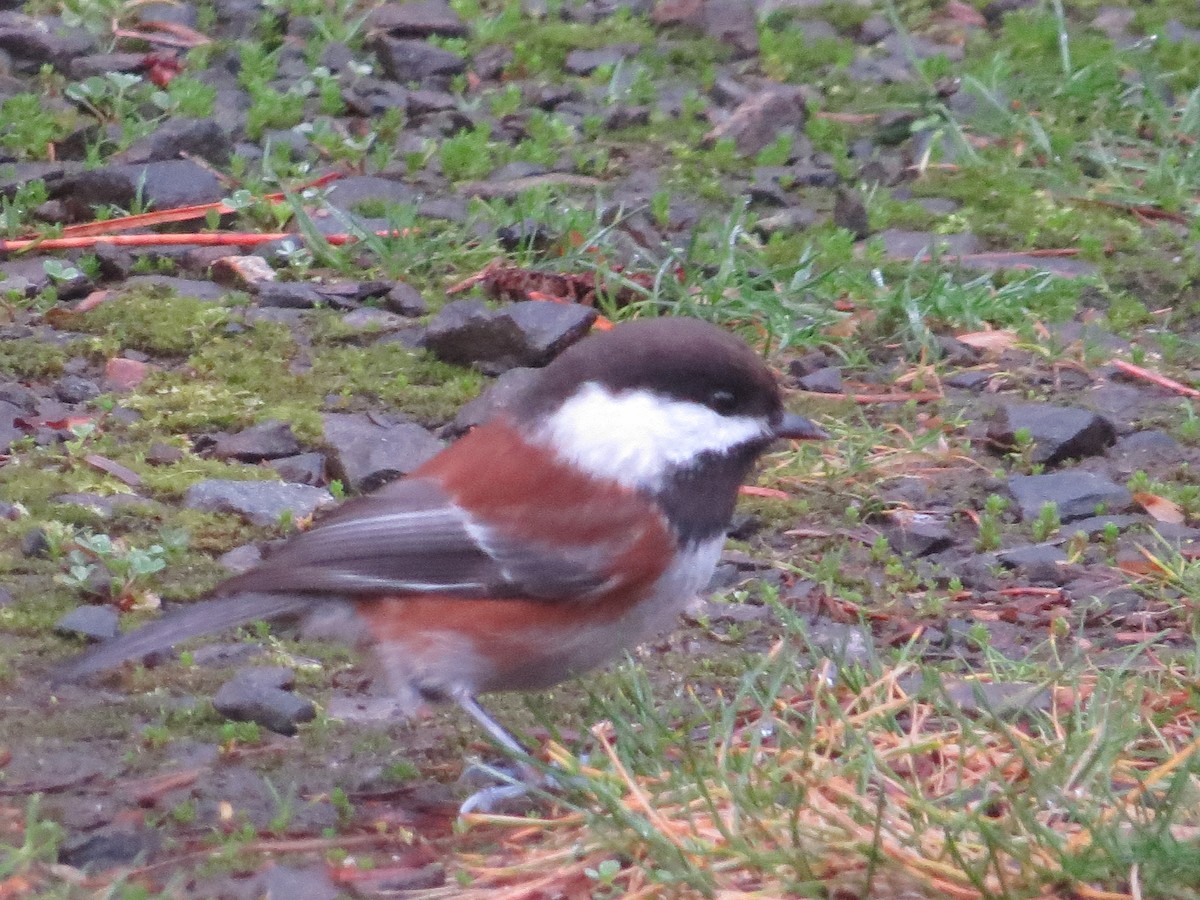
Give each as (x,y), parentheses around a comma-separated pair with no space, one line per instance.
(410,537)
(205,617)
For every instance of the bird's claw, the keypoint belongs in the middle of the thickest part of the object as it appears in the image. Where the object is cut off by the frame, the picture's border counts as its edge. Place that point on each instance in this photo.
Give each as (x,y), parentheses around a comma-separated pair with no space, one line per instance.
(517,782)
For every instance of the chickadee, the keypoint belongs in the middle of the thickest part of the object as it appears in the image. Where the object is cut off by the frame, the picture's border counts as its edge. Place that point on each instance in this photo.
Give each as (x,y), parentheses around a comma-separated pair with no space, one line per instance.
(571,526)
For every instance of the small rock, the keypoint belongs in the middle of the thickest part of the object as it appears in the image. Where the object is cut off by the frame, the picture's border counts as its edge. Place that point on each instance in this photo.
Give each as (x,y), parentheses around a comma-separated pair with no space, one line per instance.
(241,559)
(268,440)
(1058,432)
(121,374)
(732,24)
(163,455)
(412,60)
(108,848)
(313,883)
(364,454)
(179,136)
(499,394)
(287,295)
(823,381)
(850,212)
(245,699)
(756,123)
(421,19)
(244,273)
(165,184)
(846,644)
(35,544)
(405,300)
(530,333)
(908,245)
(1076,494)
(920,535)
(303,468)
(585,62)
(1004,699)
(96,623)
(261,503)
(1032,555)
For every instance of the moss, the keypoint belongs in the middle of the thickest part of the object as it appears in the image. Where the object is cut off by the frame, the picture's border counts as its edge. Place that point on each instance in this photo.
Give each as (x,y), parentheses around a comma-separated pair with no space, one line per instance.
(157,320)
(31,358)
(414,383)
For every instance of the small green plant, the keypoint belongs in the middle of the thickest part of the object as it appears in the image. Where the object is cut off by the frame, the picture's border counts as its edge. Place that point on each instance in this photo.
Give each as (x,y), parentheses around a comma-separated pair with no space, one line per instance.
(1047,523)
(40,840)
(990,526)
(605,875)
(236,733)
(30,128)
(468,154)
(126,568)
(341,804)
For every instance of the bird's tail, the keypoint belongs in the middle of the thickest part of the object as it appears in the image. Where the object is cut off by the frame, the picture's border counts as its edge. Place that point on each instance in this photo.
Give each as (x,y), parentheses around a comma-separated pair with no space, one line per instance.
(204,617)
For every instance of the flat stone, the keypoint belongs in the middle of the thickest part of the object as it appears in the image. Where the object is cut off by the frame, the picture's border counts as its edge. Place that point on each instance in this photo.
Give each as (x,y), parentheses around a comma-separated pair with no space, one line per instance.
(846,644)
(303,468)
(373,321)
(122,374)
(529,333)
(1076,494)
(1097,524)
(1058,432)
(204,138)
(96,623)
(246,699)
(1004,699)
(406,60)
(421,19)
(405,300)
(268,440)
(757,122)
(509,387)
(365,453)
(281,882)
(920,535)
(241,559)
(585,62)
(108,848)
(907,245)
(287,295)
(1032,555)
(258,502)
(823,381)
(184,287)
(165,184)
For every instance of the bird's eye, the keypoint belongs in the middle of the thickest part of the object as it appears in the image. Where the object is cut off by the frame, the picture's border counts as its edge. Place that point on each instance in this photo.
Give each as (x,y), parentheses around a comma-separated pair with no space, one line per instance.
(722,401)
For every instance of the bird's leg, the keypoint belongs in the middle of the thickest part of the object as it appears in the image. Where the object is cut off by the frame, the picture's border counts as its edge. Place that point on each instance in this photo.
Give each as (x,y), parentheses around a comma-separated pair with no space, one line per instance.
(487,799)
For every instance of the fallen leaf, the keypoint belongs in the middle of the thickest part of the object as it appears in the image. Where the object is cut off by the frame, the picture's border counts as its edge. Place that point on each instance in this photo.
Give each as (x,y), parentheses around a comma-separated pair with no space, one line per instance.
(1160,508)
(752,490)
(115,469)
(992,341)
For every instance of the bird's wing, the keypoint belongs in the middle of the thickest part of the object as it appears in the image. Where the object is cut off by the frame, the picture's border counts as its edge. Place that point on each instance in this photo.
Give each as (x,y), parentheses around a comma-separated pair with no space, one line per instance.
(206,617)
(410,537)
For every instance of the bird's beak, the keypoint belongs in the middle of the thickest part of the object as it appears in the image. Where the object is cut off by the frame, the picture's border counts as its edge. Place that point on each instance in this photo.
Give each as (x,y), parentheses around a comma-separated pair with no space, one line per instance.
(798,428)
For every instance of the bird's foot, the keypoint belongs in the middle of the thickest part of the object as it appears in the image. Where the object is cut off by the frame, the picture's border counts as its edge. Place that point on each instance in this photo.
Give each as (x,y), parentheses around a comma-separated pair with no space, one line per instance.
(513,787)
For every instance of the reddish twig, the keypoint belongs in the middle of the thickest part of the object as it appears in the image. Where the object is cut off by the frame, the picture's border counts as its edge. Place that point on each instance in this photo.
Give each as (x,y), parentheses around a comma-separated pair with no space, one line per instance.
(204,239)
(1154,378)
(178,214)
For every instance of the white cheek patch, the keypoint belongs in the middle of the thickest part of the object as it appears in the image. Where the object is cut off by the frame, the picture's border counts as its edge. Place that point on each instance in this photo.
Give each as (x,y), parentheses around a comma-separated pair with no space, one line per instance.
(636,437)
